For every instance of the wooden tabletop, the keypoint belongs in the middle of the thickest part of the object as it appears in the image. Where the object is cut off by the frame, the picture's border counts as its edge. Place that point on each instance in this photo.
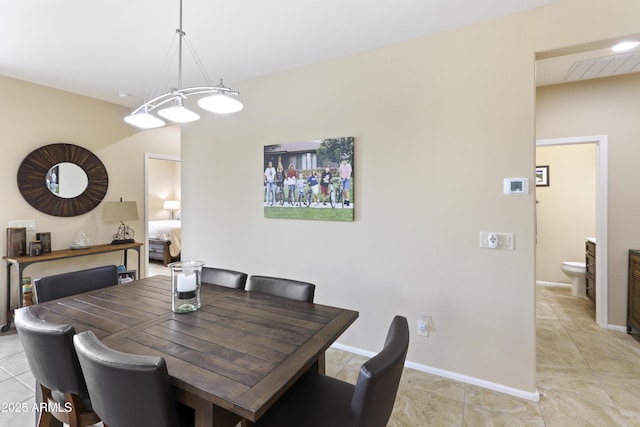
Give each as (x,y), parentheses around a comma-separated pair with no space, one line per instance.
(232,358)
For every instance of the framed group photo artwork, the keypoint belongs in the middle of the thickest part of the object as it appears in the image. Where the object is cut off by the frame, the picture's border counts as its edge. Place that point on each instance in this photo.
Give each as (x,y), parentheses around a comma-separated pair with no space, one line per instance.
(542,176)
(309,180)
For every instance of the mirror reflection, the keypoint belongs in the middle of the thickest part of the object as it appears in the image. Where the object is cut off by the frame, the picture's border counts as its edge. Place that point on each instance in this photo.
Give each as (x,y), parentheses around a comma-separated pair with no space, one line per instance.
(66,180)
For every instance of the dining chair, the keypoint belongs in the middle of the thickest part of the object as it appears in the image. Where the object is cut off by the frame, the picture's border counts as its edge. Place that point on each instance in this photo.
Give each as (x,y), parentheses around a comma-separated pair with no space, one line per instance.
(54,364)
(317,400)
(283,288)
(127,390)
(75,282)
(219,276)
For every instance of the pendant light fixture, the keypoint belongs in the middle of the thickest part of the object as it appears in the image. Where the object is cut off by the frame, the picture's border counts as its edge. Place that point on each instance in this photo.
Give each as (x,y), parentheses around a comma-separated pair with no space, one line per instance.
(218,100)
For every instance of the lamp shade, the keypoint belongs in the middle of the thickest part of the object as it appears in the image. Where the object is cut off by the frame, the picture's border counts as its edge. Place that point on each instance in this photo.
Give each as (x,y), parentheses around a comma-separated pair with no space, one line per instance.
(171,205)
(120,211)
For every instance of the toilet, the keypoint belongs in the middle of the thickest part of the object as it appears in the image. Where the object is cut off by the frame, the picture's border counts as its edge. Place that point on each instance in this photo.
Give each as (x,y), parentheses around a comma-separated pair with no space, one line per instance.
(576,272)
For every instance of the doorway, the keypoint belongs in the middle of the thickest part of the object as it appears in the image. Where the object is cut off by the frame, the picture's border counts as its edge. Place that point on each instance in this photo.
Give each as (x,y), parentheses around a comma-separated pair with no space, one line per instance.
(161,182)
(601,141)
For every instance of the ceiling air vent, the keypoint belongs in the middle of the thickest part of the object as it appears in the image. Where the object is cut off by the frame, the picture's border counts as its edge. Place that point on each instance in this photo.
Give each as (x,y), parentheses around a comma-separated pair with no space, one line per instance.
(604,67)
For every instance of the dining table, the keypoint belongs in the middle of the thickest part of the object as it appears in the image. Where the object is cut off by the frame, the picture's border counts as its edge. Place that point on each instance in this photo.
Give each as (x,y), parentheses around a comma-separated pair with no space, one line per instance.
(230,360)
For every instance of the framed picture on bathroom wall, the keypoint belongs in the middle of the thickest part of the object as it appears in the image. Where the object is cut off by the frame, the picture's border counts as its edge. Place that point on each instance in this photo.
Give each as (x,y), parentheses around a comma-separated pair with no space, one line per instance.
(542,176)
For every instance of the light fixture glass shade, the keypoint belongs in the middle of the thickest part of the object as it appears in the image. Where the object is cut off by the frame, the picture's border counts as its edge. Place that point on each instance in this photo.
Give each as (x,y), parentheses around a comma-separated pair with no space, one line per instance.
(178,113)
(171,205)
(144,120)
(220,103)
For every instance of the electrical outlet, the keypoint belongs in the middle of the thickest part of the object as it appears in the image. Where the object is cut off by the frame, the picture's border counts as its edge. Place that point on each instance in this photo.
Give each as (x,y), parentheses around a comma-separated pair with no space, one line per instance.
(29,224)
(423,328)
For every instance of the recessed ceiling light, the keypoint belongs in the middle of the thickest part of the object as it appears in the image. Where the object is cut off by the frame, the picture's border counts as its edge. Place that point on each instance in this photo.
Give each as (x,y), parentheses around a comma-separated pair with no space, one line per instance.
(123,95)
(624,46)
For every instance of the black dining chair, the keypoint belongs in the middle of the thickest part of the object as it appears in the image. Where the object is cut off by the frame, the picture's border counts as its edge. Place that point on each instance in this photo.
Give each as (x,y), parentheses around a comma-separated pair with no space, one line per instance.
(227,278)
(54,364)
(283,288)
(317,400)
(128,390)
(75,282)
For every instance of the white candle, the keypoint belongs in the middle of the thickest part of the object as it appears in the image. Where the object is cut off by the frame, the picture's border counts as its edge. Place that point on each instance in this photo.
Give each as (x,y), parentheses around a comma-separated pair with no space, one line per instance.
(186,283)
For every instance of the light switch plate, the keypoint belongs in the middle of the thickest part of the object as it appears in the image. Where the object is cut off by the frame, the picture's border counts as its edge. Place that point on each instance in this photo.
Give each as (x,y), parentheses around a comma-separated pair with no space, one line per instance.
(506,241)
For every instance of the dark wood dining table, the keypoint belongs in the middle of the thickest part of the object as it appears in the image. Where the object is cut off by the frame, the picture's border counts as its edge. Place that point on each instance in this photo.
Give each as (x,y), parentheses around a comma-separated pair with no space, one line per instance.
(230,360)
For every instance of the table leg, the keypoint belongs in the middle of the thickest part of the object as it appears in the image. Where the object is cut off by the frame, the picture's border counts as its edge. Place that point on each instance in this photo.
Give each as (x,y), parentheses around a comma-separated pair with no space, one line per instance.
(20,277)
(7,325)
(319,365)
(126,251)
(210,415)
(322,364)
(206,413)
(139,271)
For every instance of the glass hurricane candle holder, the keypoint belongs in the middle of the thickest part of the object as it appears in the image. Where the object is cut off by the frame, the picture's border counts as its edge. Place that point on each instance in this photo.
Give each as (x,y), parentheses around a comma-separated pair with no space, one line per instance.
(185,286)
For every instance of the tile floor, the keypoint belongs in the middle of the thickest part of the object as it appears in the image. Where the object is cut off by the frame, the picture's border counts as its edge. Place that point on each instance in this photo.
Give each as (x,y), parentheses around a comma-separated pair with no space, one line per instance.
(587,376)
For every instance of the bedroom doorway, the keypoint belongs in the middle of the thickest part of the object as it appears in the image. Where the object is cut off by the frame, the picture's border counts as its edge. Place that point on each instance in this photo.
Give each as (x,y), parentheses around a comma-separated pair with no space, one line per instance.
(162,183)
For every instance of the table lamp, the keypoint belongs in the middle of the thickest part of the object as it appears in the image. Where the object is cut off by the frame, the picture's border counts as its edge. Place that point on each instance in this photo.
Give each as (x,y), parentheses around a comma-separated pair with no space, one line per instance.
(171,205)
(120,212)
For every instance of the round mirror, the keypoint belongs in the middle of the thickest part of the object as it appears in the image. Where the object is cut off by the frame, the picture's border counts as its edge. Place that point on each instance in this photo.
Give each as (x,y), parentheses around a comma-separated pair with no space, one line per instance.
(81,178)
(66,180)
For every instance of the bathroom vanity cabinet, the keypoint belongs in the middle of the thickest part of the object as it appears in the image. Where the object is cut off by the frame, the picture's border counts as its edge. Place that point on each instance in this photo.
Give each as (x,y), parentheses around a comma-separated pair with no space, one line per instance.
(590,274)
(633,304)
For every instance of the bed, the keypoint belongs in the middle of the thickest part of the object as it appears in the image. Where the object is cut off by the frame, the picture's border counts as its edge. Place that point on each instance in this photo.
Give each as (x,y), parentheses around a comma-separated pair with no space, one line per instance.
(165,240)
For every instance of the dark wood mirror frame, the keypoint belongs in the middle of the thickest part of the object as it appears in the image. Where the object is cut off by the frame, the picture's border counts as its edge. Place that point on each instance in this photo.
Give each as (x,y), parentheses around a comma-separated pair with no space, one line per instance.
(32,179)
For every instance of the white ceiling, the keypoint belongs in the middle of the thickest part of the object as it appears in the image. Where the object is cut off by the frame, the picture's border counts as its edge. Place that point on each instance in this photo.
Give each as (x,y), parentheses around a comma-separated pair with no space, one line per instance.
(101,48)
(591,64)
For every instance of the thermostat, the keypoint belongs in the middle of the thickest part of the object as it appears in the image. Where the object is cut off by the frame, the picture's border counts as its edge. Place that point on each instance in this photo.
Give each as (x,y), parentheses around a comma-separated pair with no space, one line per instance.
(518,186)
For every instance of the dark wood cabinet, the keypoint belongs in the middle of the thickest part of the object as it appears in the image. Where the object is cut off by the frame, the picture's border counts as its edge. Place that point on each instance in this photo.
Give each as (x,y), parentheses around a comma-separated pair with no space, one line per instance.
(590,274)
(633,303)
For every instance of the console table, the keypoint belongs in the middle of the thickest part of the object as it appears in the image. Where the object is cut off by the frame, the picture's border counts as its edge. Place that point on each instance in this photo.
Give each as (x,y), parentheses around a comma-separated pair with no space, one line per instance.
(23,262)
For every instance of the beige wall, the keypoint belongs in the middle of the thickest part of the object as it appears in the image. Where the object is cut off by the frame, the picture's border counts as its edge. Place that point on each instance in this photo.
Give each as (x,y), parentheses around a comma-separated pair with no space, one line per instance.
(443,120)
(604,107)
(38,116)
(164,184)
(566,209)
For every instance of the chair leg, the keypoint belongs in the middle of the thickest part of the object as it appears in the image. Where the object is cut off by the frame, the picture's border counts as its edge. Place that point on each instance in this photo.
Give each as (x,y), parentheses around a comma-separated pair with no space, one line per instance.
(50,417)
(77,417)
(45,418)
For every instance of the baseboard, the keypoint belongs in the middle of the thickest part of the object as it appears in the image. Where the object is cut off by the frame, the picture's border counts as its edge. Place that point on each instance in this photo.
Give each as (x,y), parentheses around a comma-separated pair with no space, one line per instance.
(542,283)
(617,328)
(534,397)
